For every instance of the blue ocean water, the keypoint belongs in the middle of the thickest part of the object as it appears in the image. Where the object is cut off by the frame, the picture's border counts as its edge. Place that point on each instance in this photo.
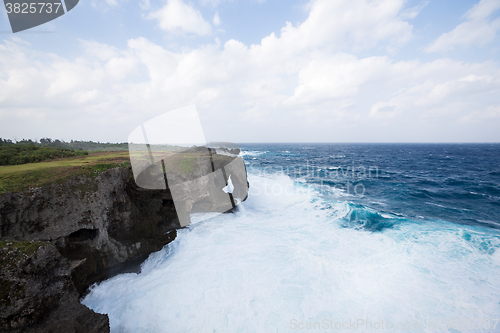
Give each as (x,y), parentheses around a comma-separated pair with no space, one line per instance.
(459,183)
(349,237)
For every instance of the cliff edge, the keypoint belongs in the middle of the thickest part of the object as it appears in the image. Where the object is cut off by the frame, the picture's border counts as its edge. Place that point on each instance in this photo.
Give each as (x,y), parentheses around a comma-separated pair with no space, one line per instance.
(83,224)
(102,226)
(92,229)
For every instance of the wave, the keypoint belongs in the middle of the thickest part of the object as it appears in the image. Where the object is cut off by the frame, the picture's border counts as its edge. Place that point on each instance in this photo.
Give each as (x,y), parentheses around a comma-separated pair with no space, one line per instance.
(289,253)
(251,153)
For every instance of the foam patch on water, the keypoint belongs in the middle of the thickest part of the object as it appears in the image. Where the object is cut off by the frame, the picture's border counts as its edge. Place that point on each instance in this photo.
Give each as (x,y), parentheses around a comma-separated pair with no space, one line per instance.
(284,258)
(251,153)
(496,257)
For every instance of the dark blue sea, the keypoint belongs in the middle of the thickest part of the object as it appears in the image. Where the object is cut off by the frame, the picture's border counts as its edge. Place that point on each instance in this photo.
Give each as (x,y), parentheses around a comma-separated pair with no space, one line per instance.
(459,183)
(333,237)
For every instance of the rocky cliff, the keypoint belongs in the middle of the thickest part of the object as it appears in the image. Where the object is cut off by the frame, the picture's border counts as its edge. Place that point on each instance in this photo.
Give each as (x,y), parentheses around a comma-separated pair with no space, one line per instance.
(59,239)
(37,293)
(101,226)
(93,229)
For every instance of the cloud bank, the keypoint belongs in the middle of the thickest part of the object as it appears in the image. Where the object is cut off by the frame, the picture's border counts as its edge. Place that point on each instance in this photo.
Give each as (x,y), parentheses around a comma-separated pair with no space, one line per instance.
(305,84)
(478,29)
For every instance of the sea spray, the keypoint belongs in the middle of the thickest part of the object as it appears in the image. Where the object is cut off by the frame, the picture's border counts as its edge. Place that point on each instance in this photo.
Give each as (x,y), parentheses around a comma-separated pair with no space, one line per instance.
(289,257)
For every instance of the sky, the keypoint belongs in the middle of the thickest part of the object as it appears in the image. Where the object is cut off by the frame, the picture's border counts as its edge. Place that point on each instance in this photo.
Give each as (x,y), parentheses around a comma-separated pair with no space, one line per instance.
(258,70)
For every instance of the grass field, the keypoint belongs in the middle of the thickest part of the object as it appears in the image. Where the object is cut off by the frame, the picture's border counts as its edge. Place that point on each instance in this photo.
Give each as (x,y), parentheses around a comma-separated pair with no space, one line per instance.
(15,178)
(18,178)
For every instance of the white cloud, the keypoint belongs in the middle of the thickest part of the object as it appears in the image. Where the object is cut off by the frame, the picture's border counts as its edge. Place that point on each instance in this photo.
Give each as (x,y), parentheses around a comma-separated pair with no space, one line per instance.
(216,19)
(105,5)
(303,85)
(477,116)
(478,29)
(442,89)
(179,17)
(353,24)
(413,12)
(482,10)
(145,4)
(213,3)
(327,77)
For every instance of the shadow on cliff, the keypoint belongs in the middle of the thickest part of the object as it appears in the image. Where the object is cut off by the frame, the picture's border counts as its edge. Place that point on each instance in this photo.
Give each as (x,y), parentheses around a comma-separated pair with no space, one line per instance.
(91,229)
(100,227)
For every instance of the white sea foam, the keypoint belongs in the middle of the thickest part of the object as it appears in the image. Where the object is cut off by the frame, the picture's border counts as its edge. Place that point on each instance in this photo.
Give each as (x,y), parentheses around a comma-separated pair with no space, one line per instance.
(251,153)
(496,257)
(284,256)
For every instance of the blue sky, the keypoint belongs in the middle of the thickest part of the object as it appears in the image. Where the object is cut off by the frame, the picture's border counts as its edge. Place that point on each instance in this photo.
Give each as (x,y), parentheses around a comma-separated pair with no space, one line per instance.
(259,70)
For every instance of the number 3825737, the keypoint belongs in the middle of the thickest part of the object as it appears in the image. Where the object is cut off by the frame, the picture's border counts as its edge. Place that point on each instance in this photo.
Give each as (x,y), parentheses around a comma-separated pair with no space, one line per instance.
(33,8)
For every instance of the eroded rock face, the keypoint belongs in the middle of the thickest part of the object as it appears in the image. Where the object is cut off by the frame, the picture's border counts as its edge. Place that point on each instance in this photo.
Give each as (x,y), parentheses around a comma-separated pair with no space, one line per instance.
(93,229)
(205,193)
(196,178)
(103,226)
(37,293)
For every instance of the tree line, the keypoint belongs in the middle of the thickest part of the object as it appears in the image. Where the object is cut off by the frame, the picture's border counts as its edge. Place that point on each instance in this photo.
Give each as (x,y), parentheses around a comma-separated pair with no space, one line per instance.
(29,151)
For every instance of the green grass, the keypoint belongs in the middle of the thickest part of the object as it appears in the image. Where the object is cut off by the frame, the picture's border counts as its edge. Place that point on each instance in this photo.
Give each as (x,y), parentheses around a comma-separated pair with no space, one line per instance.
(18,178)
(16,154)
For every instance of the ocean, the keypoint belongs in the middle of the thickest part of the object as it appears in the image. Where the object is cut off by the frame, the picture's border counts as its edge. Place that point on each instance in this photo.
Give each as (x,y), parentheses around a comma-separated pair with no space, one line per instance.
(333,237)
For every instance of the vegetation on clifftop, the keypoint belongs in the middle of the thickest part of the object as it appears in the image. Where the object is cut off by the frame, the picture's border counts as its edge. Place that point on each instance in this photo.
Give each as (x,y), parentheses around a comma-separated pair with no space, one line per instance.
(29,151)
(28,164)
(17,178)
(75,145)
(23,153)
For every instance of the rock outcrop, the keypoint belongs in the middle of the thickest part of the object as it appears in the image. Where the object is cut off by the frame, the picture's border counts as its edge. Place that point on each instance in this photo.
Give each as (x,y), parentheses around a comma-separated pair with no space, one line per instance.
(92,229)
(38,295)
(102,226)
(85,230)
